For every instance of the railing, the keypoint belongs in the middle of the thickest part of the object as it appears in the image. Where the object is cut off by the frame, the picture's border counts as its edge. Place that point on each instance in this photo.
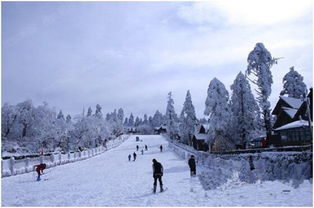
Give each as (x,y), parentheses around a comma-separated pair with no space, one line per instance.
(11,167)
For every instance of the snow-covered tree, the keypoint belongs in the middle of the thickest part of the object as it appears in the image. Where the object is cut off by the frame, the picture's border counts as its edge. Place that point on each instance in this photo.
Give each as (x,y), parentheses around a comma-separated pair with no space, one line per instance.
(89,111)
(157,119)
(244,109)
(126,122)
(131,120)
(171,118)
(259,63)
(60,115)
(216,107)
(98,113)
(293,85)
(145,121)
(8,117)
(120,115)
(137,121)
(188,119)
(68,119)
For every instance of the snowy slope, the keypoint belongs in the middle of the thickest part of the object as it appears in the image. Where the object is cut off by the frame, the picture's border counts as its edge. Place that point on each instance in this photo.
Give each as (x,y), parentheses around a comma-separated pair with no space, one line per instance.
(110,179)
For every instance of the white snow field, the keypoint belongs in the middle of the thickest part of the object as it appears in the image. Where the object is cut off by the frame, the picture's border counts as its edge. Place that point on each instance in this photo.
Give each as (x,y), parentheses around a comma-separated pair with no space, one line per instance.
(110,179)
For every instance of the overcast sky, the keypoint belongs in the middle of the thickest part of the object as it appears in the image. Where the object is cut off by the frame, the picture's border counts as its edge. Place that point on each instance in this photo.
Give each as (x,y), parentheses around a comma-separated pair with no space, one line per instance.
(131,54)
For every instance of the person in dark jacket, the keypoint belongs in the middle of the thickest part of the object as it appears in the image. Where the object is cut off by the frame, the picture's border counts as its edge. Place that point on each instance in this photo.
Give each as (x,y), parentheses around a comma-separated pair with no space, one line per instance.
(129,157)
(137,147)
(146,147)
(160,148)
(192,165)
(134,156)
(157,175)
(40,170)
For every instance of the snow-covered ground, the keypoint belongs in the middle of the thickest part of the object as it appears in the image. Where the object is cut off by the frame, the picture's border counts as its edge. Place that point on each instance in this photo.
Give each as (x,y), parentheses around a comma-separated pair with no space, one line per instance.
(110,179)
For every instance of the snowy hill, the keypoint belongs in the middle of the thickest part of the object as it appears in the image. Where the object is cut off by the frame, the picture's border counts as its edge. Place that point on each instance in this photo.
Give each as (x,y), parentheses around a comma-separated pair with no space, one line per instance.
(110,179)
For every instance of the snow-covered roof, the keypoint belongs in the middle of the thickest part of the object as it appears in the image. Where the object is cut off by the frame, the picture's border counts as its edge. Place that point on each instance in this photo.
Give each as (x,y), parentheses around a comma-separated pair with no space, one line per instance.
(206,126)
(290,111)
(200,136)
(293,102)
(295,124)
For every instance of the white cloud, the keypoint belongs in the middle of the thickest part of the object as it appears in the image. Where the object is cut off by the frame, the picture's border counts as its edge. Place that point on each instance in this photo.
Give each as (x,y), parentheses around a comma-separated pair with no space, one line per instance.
(250,12)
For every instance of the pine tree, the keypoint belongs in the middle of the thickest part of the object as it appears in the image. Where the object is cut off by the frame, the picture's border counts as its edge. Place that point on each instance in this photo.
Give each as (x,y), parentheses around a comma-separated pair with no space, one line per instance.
(217,108)
(137,121)
(126,122)
(98,113)
(89,111)
(293,85)
(68,119)
(171,118)
(131,120)
(60,115)
(157,119)
(244,110)
(120,115)
(188,119)
(259,63)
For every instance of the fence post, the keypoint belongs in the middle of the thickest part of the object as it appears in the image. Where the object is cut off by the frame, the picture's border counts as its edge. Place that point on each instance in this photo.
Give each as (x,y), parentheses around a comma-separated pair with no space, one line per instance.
(52,158)
(41,159)
(26,164)
(12,162)
(59,158)
(69,156)
(2,167)
(80,155)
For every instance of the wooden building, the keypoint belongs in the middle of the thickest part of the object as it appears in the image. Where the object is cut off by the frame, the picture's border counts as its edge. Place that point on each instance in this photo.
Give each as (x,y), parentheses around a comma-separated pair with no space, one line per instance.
(294,133)
(160,130)
(199,138)
(285,110)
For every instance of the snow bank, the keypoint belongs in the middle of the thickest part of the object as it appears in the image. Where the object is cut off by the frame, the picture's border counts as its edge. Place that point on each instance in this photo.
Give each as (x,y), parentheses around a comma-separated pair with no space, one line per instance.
(216,170)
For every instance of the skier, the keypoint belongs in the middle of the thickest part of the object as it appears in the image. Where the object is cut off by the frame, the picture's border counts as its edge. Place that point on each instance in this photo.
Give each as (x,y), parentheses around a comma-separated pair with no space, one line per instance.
(134,156)
(192,166)
(146,147)
(160,148)
(157,174)
(40,170)
(129,157)
(142,151)
(137,147)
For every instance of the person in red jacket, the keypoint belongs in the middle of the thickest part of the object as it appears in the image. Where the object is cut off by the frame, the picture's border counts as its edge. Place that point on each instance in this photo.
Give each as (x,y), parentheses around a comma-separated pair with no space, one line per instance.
(40,170)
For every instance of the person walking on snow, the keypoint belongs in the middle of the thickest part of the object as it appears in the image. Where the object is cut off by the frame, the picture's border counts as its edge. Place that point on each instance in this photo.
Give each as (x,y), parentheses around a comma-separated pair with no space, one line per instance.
(146,147)
(142,152)
(137,147)
(129,157)
(157,175)
(40,170)
(134,156)
(192,166)
(160,148)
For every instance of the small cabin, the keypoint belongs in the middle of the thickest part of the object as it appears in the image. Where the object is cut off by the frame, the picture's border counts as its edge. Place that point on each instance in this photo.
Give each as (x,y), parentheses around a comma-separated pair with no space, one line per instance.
(199,142)
(160,130)
(132,130)
(199,138)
